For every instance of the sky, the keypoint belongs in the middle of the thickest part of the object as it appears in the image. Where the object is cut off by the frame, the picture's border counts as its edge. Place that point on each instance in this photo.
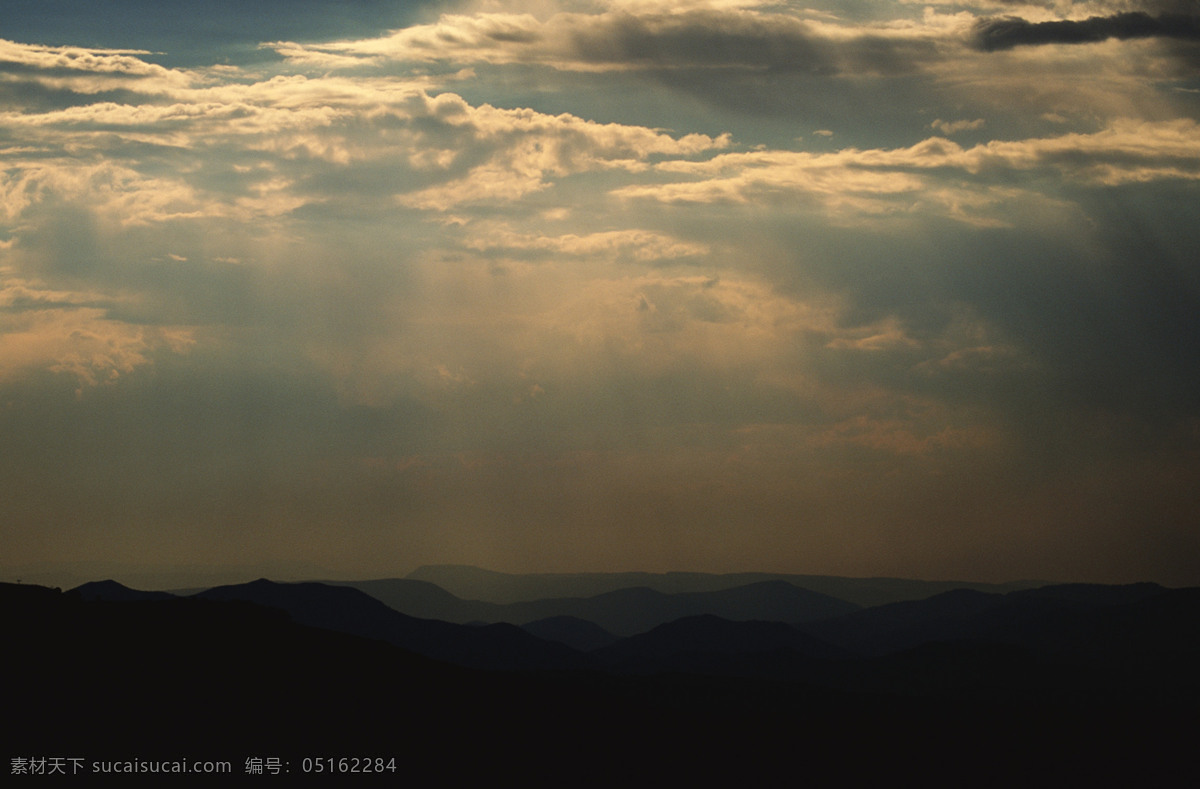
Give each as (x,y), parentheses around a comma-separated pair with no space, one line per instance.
(845,287)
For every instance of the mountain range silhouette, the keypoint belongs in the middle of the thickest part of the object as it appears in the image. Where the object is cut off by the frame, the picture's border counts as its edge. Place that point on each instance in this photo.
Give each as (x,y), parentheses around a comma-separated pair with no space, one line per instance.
(1070,684)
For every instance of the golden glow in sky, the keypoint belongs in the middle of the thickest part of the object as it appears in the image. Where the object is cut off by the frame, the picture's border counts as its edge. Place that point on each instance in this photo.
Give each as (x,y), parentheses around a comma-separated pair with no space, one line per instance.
(858,287)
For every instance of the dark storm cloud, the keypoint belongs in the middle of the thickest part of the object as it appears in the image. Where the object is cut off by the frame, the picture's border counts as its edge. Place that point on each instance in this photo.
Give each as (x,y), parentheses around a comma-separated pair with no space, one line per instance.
(756,65)
(642,39)
(1000,33)
(741,41)
(700,39)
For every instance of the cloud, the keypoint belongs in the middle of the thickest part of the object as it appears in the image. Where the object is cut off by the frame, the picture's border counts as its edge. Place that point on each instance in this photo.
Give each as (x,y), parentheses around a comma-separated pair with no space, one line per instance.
(828,66)
(993,34)
(495,281)
(516,151)
(290,135)
(78,60)
(637,37)
(69,333)
(88,71)
(194,35)
(876,338)
(880,182)
(953,127)
(636,244)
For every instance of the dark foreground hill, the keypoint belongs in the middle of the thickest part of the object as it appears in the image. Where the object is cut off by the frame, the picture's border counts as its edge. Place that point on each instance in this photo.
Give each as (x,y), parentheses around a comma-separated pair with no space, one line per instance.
(210,679)
(1077,622)
(1073,645)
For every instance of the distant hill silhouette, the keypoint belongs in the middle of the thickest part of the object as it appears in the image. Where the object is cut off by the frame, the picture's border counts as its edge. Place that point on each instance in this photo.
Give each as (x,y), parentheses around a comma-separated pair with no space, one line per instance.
(348,610)
(113,591)
(424,600)
(896,626)
(622,611)
(1048,619)
(1055,641)
(706,642)
(629,611)
(474,583)
(574,632)
(1070,685)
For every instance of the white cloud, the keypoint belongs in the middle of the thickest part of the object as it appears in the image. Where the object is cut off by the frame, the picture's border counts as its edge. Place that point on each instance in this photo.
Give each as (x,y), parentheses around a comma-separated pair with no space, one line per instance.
(639,244)
(90,71)
(936,174)
(63,332)
(953,127)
